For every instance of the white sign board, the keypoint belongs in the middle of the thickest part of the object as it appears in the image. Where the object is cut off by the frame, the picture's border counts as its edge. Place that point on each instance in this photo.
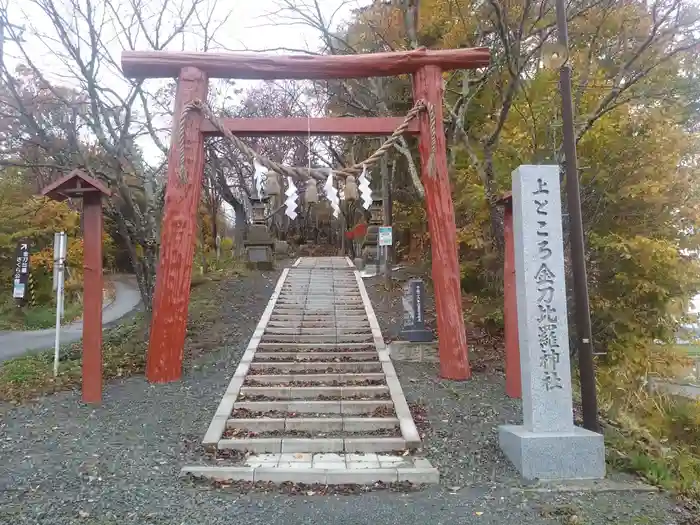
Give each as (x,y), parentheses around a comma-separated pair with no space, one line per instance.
(385,236)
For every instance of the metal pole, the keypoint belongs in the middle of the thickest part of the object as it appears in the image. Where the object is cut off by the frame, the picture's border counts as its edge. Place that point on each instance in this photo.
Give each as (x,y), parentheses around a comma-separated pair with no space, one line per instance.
(589,401)
(60,249)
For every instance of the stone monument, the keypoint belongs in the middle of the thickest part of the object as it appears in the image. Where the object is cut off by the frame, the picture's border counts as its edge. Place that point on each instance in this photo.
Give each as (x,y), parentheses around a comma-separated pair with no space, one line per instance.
(547,445)
(413,301)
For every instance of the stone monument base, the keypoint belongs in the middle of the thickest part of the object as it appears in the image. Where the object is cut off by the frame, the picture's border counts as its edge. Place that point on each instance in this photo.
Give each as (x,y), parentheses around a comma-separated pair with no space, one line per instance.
(259,257)
(576,454)
(414,352)
(417,335)
(263,266)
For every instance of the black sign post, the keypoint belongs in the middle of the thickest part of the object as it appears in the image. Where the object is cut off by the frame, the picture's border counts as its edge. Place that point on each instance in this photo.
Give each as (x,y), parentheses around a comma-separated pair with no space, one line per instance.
(21,276)
(414,329)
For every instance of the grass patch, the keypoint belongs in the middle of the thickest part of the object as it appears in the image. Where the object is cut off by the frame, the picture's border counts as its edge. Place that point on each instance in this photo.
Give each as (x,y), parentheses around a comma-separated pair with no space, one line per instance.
(692,350)
(123,348)
(123,354)
(652,434)
(34,318)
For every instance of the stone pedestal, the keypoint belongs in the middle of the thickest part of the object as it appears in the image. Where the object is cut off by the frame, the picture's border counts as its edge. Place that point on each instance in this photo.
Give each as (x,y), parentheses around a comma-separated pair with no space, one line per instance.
(414,352)
(574,454)
(547,445)
(369,245)
(281,248)
(259,248)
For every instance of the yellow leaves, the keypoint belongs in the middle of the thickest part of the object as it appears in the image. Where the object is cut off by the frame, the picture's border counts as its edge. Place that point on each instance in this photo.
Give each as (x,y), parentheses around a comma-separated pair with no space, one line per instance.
(471,236)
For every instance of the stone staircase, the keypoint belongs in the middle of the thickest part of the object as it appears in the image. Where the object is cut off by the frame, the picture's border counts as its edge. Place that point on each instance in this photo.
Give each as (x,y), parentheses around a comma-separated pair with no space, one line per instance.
(316,398)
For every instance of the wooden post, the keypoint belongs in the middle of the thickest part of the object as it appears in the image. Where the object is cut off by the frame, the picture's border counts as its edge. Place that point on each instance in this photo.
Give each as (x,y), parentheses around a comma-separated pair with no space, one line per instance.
(78,185)
(452,337)
(178,237)
(92,298)
(510,306)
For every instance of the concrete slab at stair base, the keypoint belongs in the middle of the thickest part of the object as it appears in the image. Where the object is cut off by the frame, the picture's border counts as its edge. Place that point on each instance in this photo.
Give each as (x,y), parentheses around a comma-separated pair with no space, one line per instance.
(348,469)
(572,455)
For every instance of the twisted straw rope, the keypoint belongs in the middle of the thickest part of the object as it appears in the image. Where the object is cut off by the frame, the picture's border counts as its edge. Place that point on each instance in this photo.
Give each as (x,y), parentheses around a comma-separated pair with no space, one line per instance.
(306,172)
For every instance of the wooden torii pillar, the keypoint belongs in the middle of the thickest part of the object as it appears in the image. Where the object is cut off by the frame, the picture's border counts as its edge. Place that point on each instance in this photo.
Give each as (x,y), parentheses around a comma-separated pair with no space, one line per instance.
(172,292)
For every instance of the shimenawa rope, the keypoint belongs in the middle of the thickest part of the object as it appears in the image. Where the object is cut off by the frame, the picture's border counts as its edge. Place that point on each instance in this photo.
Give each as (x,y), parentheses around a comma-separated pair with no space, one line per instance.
(308,172)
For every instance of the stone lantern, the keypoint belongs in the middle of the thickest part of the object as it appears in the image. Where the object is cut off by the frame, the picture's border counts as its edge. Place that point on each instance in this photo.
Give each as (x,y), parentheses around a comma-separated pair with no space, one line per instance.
(311,192)
(376,210)
(369,244)
(272,184)
(350,188)
(258,207)
(259,244)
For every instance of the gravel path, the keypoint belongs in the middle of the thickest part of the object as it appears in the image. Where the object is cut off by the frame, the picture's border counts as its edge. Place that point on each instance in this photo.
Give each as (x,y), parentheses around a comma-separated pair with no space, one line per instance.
(65,463)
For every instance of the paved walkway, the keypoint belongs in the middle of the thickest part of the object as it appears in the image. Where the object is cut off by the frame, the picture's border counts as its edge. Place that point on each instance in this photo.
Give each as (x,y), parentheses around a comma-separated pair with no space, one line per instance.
(127,298)
(316,398)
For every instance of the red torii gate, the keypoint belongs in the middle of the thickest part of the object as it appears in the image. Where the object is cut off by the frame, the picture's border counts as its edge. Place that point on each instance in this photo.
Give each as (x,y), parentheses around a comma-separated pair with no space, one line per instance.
(172,292)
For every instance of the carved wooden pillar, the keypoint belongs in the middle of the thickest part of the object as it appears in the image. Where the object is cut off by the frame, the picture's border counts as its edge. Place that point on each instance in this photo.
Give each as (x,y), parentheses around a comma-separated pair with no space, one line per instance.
(178,236)
(452,337)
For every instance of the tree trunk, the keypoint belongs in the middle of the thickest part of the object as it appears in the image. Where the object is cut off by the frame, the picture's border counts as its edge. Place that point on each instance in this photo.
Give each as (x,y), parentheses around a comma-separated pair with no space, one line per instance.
(214,228)
(240,227)
(495,209)
(203,248)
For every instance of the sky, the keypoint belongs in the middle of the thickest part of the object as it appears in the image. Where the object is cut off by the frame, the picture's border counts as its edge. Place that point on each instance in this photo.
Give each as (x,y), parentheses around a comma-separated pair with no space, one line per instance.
(248,27)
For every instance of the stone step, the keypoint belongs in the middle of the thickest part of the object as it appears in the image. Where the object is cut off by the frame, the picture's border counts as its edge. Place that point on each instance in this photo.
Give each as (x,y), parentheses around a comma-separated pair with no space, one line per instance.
(304,331)
(328,291)
(297,389)
(322,357)
(319,311)
(319,306)
(282,445)
(318,281)
(314,424)
(305,347)
(315,305)
(325,286)
(352,346)
(326,367)
(314,392)
(327,294)
(316,378)
(318,324)
(301,317)
(346,407)
(315,282)
(328,338)
(328,469)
